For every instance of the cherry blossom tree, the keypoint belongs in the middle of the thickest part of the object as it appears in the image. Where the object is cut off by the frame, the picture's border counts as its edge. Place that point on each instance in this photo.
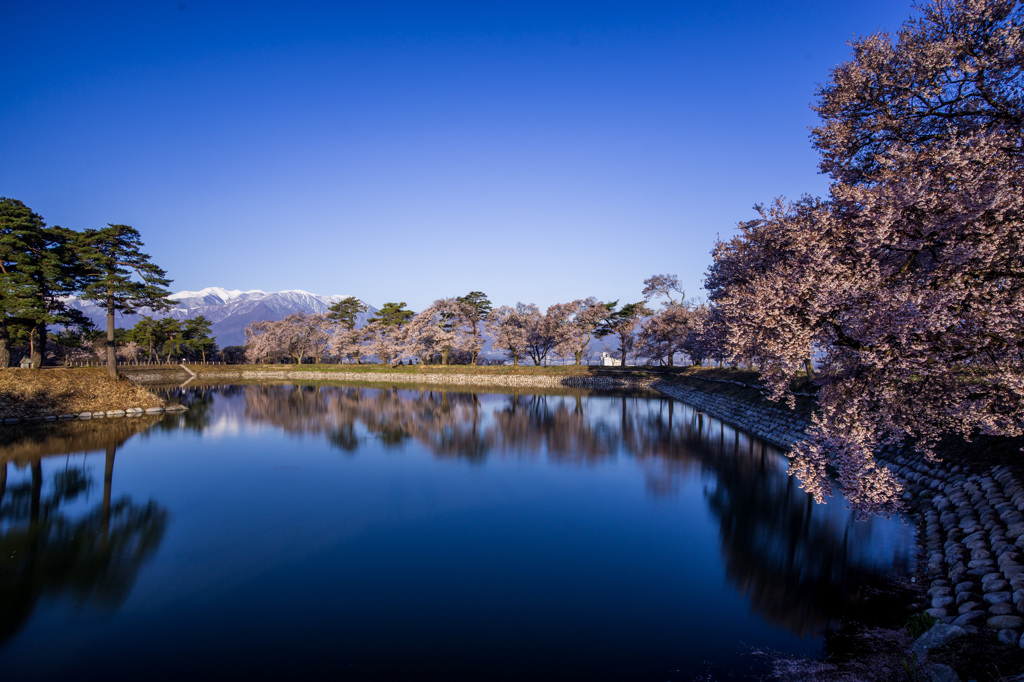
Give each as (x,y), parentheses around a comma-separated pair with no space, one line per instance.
(263,342)
(664,333)
(574,324)
(663,286)
(510,329)
(767,285)
(540,337)
(910,277)
(347,343)
(385,341)
(439,330)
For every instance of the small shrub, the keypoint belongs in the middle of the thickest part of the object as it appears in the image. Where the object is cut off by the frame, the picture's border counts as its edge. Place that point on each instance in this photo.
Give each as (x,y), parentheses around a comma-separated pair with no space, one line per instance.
(919,623)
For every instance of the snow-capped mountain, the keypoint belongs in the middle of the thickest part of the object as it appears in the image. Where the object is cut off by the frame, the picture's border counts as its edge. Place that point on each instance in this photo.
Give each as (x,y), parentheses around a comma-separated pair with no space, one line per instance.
(231,311)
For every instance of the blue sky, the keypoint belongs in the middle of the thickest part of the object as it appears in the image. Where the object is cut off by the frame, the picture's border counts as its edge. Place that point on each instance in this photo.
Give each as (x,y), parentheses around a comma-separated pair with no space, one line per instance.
(539,152)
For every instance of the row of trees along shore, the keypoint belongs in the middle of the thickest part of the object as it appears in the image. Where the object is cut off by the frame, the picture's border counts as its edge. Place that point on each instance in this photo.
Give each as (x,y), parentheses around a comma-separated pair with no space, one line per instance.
(906,283)
(453,331)
(40,266)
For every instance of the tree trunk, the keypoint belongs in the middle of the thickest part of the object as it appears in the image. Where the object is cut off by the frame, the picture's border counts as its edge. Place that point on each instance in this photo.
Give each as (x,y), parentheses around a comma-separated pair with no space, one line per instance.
(108,478)
(111,356)
(37,343)
(37,487)
(579,357)
(809,367)
(5,346)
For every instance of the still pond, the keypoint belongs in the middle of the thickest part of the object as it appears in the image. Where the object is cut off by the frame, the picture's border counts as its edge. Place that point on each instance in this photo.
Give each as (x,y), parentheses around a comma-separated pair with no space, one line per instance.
(339,532)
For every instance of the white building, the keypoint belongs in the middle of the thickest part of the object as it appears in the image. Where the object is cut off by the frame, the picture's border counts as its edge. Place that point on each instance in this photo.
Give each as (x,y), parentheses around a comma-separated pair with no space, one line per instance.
(609,361)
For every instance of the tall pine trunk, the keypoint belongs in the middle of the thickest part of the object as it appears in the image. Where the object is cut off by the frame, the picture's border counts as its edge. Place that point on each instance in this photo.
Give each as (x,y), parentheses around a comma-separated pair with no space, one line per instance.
(111,356)
(37,343)
(5,345)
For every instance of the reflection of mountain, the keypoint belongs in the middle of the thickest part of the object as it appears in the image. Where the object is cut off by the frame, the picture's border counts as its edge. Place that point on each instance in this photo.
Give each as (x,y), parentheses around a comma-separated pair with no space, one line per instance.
(46,552)
(797,562)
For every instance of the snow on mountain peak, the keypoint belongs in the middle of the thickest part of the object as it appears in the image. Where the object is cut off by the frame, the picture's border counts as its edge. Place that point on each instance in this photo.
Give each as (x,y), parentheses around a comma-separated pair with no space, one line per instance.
(227,295)
(221,293)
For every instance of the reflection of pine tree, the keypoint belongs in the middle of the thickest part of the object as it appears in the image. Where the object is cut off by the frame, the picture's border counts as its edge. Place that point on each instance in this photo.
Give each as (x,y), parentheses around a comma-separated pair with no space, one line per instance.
(93,558)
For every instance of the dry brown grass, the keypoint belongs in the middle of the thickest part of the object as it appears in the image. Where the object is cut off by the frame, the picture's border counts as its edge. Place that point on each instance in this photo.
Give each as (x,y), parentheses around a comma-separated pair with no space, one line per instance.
(32,393)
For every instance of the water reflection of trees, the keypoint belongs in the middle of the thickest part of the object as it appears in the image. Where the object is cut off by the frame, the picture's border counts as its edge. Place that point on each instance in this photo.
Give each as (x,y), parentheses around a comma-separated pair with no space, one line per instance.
(47,550)
(796,562)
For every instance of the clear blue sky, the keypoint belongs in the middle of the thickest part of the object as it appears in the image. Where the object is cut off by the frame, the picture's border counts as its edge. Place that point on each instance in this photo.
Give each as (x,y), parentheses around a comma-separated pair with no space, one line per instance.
(538,152)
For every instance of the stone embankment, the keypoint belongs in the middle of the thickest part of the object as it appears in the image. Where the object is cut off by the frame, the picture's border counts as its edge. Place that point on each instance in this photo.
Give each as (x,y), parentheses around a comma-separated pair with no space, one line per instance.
(970,520)
(127,412)
(777,425)
(599,381)
(971,535)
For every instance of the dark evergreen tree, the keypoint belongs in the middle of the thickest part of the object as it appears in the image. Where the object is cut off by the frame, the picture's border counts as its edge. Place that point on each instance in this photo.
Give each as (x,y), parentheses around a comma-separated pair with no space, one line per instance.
(111,256)
(476,307)
(345,312)
(38,266)
(392,314)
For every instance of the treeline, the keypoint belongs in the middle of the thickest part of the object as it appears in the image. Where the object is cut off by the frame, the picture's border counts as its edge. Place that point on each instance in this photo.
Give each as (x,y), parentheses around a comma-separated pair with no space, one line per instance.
(40,266)
(453,331)
(906,283)
(150,340)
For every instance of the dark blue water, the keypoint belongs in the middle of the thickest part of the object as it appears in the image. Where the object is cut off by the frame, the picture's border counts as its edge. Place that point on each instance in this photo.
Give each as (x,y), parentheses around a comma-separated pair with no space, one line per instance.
(354,533)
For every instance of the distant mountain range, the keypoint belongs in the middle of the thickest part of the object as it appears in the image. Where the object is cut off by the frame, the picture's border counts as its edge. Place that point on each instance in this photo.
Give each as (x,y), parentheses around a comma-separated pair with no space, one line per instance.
(231,311)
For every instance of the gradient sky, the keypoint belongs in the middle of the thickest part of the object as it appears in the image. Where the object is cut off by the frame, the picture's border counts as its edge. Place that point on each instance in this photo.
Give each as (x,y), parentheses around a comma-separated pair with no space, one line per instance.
(539,152)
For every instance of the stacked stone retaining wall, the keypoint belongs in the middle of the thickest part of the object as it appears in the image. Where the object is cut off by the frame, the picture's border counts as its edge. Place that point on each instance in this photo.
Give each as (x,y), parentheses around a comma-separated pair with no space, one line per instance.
(777,425)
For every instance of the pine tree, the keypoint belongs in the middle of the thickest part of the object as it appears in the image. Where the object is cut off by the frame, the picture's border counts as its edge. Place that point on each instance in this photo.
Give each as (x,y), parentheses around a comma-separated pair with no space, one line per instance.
(110,257)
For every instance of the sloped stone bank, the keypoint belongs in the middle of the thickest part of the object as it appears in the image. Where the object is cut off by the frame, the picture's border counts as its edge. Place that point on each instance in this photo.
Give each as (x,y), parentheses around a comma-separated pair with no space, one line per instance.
(972,542)
(970,519)
(777,425)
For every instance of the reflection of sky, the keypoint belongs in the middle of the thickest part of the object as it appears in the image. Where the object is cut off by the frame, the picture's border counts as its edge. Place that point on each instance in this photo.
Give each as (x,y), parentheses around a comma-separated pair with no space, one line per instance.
(280,542)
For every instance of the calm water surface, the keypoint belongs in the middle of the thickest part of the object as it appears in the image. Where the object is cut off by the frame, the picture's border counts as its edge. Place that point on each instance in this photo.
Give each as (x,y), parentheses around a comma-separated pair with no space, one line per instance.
(361,533)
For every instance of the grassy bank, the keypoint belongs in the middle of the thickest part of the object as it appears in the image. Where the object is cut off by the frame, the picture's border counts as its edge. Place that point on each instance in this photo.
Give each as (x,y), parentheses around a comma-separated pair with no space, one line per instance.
(29,392)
